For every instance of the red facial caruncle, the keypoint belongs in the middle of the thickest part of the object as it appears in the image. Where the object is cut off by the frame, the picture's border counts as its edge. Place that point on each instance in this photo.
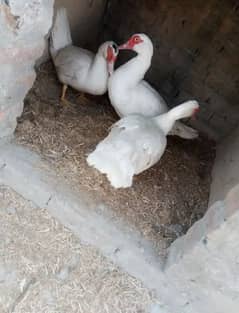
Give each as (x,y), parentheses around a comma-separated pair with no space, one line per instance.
(195,113)
(131,43)
(111,56)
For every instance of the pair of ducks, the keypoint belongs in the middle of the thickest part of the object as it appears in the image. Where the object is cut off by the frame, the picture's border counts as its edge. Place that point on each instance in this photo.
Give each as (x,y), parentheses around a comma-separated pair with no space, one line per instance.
(138,140)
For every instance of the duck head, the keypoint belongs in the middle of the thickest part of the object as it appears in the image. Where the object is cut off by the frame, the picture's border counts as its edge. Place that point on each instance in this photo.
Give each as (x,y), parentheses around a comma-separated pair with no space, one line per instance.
(111,56)
(140,43)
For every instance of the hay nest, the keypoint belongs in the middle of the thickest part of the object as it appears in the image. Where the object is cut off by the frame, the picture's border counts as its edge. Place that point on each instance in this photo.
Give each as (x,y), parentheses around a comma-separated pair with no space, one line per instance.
(164,200)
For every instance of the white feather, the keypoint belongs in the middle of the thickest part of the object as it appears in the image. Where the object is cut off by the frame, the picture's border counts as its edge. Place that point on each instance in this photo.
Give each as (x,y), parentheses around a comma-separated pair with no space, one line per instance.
(134,144)
(75,66)
(60,33)
(130,94)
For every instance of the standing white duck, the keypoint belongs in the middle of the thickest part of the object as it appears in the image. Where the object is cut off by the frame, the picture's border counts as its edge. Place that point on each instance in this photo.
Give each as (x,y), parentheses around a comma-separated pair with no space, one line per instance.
(130,94)
(135,143)
(77,67)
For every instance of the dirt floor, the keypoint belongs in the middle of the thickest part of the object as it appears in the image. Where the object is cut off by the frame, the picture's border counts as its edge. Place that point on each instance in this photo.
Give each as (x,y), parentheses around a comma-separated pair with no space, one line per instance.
(45,269)
(163,202)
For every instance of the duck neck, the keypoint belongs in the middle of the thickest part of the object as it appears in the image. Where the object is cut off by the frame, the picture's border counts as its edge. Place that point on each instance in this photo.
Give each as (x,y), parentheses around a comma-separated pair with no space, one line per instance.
(134,70)
(165,122)
(98,67)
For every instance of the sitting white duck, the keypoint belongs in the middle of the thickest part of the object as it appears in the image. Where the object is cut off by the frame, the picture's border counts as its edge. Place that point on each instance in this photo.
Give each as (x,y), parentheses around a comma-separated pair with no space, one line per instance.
(130,94)
(77,67)
(135,143)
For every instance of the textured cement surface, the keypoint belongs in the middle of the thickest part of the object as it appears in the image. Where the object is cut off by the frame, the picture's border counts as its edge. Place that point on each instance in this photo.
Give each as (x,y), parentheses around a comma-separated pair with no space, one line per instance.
(202,267)
(45,268)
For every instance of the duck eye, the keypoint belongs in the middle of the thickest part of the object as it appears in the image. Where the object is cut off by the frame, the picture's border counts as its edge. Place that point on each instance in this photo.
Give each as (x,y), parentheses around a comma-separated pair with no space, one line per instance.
(136,39)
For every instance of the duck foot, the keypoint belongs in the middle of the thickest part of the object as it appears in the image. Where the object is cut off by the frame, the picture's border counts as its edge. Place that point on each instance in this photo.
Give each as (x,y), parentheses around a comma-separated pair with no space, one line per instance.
(64,101)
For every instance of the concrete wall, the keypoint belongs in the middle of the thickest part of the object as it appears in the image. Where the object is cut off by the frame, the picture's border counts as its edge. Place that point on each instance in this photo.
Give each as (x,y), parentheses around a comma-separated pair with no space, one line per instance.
(22,31)
(86,18)
(196,52)
(225,173)
(203,265)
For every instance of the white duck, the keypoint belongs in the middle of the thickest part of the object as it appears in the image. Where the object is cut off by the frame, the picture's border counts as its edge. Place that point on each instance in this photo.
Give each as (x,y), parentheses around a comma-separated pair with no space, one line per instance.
(135,143)
(130,94)
(77,67)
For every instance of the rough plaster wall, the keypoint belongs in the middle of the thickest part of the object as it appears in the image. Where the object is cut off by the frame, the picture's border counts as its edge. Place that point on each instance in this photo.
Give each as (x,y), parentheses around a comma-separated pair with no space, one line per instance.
(226,169)
(196,52)
(23,25)
(203,265)
(85,18)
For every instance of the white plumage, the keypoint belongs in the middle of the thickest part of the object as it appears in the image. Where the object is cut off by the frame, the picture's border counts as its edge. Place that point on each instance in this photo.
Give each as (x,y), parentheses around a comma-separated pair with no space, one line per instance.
(77,67)
(130,94)
(136,143)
